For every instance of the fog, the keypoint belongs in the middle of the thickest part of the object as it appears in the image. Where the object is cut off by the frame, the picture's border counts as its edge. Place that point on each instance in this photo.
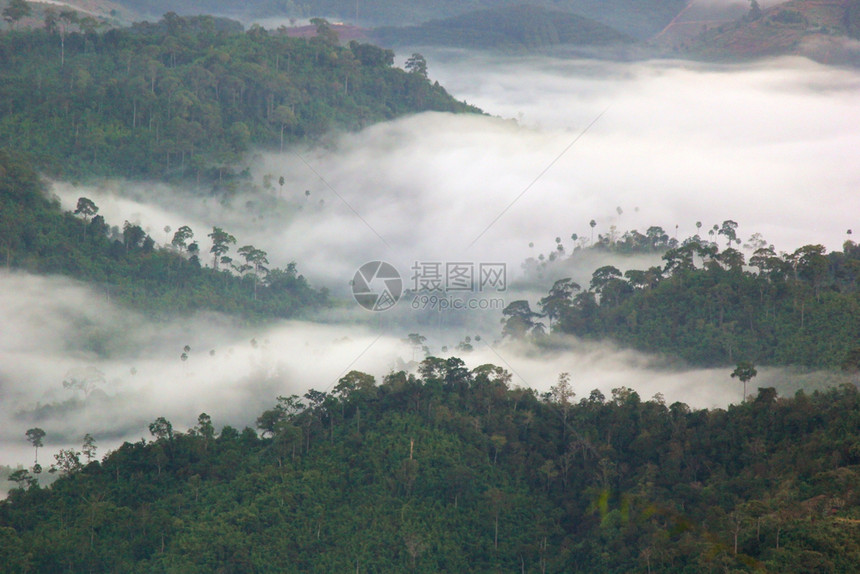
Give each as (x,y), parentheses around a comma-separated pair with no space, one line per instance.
(768,145)
(234,373)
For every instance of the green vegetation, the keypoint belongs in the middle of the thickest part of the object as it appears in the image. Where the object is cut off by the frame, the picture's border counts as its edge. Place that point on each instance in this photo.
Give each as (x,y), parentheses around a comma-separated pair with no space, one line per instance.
(455,470)
(513,28)
(709,308)
(38,236)
(186,97)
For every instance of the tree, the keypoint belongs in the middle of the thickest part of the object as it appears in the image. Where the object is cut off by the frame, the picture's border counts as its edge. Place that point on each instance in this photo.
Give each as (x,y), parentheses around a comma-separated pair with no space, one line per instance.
(562,395)
(284,116)
(560,299)
(35,436)
(133,236)
(744,371)
(181,237)
(255,260)
(325,33)
(23,477)
(755,11)
(519,320)
(205,429)
(221,241)
(67,461)
(417,64)
(60,24)
(729,229)
(15,11)
(89,447)
(416,341)
(161,429)
(86,207)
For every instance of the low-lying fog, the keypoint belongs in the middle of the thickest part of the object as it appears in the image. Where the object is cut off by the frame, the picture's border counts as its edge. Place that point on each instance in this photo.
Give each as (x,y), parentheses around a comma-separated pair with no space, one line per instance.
(769,145)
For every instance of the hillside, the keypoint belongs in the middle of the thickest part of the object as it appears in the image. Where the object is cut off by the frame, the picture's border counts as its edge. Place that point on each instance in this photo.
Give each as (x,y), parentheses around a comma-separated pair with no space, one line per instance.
(185,98)
(125,264)
(638,18)
(824,30)
(457,471)
(708,305)
(516,28)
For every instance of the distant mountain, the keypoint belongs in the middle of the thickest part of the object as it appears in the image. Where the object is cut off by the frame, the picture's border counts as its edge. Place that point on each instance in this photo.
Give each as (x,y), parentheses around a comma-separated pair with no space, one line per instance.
(638,18)
(515,28)
(824,30)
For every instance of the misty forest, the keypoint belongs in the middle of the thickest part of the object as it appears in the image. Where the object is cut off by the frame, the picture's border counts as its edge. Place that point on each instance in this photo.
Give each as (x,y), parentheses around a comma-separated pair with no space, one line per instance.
(474,286)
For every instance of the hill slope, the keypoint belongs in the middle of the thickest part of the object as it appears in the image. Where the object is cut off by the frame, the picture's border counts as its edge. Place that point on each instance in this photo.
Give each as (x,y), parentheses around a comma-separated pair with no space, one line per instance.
(454,471)
(36,235)
(710,306)
(515,28)
(186,97)
(824,30)
(637,18)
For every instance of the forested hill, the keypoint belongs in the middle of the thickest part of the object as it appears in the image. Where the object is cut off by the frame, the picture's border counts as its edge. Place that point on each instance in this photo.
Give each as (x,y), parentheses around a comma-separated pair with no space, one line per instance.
(186,97)
(127,266)
(712,306)
(638,18)
(513,28)
(456,471)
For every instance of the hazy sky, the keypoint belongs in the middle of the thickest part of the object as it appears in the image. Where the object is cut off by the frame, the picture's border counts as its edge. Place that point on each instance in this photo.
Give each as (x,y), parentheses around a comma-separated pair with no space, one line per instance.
(769,145)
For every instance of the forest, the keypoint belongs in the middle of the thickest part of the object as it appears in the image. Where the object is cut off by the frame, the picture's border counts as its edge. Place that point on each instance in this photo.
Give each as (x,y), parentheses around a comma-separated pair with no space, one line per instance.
(127,267)
(452,469)
(708,305)
(186,97)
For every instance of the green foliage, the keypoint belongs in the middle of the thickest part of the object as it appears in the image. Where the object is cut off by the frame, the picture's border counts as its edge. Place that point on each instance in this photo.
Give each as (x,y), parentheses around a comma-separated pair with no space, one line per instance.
(456,471)
(186,97)
(37,236)
(705,306)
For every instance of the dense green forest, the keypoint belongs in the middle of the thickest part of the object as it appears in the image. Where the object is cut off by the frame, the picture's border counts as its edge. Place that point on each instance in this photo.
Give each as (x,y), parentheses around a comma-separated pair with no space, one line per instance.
(458,471)
(127,266)
(711,306)
(186,97)
(513,28)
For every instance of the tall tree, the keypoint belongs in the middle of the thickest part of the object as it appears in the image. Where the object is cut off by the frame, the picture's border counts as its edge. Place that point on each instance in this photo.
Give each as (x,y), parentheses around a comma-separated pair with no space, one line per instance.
(559,300)
(519,320)
(221,241)
(744,371)
(255,259)
(35,436)
(181,237)
(417,64)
